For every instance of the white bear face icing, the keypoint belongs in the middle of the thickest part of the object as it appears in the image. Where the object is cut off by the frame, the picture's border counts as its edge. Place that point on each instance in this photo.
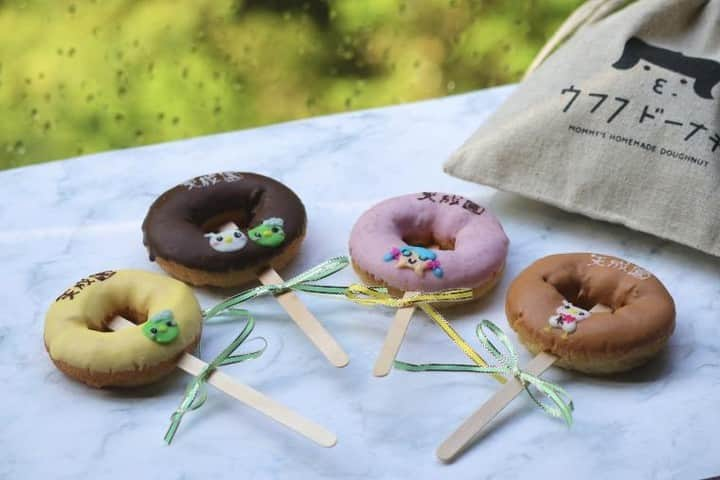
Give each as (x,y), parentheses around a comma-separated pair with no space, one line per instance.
(227,240)
(567,317)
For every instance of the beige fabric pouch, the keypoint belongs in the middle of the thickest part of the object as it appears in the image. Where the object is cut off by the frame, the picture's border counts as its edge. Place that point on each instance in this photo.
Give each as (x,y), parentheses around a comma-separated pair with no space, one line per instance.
(620,123)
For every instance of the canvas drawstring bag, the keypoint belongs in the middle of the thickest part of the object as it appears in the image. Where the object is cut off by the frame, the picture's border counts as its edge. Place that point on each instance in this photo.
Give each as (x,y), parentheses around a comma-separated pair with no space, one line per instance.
(618,118)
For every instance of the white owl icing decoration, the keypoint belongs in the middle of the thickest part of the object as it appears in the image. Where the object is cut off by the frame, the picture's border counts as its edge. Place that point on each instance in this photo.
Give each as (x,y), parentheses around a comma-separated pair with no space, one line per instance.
(567,317)
(227,240)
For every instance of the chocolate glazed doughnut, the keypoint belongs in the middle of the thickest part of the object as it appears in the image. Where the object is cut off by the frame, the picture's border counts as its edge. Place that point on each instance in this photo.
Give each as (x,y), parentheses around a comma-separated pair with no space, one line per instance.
(182,228)
(550,306)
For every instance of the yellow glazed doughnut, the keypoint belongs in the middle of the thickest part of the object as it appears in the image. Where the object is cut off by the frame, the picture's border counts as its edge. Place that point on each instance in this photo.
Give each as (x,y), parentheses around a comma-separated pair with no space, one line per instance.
(168,318)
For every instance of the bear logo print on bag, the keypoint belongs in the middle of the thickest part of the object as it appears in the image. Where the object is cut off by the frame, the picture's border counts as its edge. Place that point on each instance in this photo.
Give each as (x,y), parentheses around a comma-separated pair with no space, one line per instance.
(705,72)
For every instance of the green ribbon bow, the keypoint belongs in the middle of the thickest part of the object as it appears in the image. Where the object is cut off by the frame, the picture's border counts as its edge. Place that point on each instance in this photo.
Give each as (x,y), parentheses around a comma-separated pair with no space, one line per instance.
(356,293)
(561,405)
(195,394)
(300,282)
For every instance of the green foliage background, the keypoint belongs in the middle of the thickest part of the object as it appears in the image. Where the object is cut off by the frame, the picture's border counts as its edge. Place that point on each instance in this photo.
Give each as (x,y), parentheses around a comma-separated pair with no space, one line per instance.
(83,76)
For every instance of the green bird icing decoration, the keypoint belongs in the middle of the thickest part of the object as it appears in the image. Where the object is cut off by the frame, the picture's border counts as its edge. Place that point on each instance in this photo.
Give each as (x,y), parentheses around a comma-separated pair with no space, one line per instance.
(161,327)
(269,233)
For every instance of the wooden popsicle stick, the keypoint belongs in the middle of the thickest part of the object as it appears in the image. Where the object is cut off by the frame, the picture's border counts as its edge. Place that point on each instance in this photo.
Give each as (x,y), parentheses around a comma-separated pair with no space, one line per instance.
(308,323)
(600,308)
(461,438)
(249,396)
(394,338)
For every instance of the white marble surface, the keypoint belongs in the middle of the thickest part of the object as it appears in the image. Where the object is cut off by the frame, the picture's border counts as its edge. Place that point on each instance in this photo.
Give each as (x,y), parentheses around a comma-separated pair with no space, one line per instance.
(65,219)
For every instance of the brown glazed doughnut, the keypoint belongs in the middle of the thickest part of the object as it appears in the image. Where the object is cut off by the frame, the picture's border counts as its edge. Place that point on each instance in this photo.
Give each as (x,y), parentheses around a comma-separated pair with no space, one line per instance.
(548,304)
(182,228)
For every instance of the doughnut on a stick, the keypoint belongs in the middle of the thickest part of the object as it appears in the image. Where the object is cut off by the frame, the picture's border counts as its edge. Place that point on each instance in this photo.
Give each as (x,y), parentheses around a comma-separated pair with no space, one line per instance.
(427,242)
(635,311)
(181,234)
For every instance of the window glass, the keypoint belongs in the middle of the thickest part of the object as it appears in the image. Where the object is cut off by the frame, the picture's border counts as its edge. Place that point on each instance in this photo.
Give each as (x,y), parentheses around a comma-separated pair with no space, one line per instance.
(84,76)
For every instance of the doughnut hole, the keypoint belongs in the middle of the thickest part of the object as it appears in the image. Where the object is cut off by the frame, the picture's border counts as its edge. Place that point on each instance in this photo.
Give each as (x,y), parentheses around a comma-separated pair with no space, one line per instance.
(138,318)
(241,218)
(428,240)
(582,293)
(221,208)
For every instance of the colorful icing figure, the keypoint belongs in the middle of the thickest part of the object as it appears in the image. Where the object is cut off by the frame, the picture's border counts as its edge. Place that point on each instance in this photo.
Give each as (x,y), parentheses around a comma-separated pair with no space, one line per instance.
(269,233)
(161,328)
(227,240)
(567,317)
(418,259)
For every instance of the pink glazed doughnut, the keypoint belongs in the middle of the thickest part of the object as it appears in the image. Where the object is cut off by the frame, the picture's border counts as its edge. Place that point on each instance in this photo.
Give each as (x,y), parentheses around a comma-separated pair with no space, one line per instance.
(427,242)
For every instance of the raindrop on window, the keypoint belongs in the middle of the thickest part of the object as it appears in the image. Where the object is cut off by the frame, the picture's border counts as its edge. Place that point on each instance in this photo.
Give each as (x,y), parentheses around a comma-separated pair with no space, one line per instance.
(19,147)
